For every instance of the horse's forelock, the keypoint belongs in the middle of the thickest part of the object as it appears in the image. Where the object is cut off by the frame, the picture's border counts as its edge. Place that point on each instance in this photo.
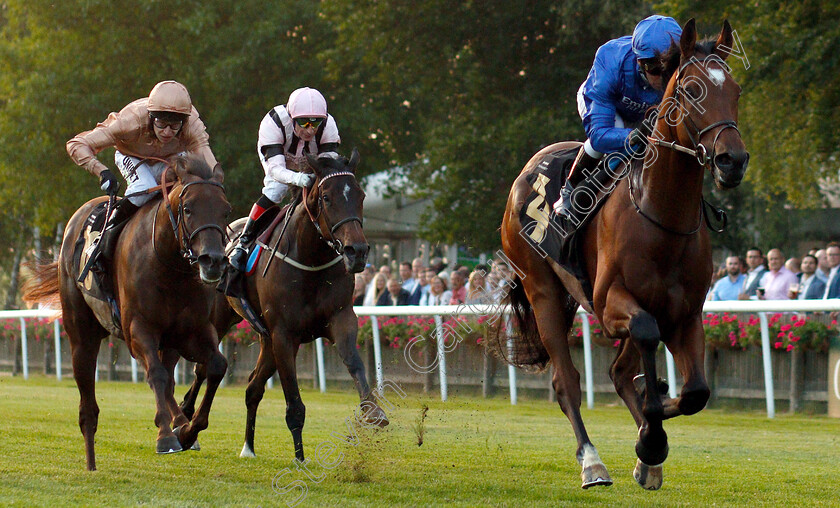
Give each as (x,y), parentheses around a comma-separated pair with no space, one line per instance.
(195,166)
(671,58)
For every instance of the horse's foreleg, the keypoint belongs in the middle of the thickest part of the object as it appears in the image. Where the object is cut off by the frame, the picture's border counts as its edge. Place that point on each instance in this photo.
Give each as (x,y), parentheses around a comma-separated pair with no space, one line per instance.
(144,345)
(285,351)
(170,358)
(622,317)
(215,366)
(622,371)
(344,329)
(254,394)
(688,347)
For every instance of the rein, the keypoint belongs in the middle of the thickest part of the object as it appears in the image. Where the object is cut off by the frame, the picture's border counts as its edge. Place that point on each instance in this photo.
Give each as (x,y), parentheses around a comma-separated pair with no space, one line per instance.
(699,152)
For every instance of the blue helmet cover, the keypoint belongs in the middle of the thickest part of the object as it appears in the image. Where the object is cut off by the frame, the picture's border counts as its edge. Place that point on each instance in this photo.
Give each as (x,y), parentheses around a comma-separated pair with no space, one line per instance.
(654,35)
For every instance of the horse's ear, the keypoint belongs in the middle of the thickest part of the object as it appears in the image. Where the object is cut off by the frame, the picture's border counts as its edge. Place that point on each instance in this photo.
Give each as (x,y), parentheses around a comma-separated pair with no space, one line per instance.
(354,161)
(218,173)
(315,165)
(723,44)
(688,39)
(179,167)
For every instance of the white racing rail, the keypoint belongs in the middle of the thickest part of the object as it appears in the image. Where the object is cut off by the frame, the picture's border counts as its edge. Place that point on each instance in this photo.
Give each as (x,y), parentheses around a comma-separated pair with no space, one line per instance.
(759,307)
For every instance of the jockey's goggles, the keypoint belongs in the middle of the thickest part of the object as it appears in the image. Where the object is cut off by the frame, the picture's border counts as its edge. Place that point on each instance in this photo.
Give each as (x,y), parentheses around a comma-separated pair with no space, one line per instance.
(651,66)
(305,122)
(161,124)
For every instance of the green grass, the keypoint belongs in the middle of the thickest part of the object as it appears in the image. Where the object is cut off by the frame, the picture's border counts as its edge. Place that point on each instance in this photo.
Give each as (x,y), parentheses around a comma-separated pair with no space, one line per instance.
(475,453)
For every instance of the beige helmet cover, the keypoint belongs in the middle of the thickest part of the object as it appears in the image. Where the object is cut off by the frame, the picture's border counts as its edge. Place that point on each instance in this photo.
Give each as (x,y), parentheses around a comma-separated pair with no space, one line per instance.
(170,96)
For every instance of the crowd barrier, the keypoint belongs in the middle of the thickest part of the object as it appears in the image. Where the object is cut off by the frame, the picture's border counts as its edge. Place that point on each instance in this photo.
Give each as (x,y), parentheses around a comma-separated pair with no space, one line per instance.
(759,307)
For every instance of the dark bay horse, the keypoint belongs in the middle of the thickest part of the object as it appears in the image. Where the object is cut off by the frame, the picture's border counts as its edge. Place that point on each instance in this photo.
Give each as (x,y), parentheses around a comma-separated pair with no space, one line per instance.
(647,257)
(165,261)
(306,292)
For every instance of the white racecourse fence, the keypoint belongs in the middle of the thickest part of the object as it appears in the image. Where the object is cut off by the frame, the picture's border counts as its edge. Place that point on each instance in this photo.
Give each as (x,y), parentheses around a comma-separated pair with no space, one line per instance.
(759,307)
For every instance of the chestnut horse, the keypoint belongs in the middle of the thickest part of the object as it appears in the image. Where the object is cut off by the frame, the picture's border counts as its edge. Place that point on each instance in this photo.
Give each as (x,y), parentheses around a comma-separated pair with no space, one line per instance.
(646,254)
(303,289)
(164,301)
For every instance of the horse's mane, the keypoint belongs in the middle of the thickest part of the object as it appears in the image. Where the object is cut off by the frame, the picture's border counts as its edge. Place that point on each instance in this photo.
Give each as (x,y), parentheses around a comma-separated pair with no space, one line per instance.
(670,59)
(333,163)
(195,165)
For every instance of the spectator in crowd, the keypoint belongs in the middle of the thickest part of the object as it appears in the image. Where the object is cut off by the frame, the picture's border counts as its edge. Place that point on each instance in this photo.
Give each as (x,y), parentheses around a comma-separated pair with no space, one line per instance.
(421,288)
(386,270)
(359,289)
(459,290)
(793,265)
(395,295)
(368,273)
(730,285)
(810,286)
(778,279)
(755,263)
(438,265)
(832,289)
(477,291)
(438,294)
(823,270)
(409,283)
(376,288)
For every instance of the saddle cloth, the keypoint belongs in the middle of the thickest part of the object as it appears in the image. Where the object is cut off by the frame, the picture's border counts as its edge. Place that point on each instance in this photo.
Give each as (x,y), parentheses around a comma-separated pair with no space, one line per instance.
(83,249)
(552,235)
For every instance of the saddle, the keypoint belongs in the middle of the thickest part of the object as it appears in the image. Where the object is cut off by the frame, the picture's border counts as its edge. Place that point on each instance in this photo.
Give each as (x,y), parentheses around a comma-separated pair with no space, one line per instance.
(552,235)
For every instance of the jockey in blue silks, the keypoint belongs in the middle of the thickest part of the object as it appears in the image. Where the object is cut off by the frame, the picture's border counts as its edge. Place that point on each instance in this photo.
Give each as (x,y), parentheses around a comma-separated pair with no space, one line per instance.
(625,80)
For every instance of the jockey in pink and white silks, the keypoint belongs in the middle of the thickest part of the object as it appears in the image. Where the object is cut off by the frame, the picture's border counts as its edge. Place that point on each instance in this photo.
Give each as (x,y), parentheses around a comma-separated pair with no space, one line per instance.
(287,133)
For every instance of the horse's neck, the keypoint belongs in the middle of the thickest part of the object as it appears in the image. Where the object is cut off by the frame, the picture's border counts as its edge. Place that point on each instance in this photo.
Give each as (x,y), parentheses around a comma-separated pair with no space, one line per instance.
(164,245)
(672,186)
(305,243)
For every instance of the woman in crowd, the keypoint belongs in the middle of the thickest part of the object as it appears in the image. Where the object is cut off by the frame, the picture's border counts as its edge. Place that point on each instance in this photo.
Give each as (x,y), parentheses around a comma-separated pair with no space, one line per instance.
(438,294)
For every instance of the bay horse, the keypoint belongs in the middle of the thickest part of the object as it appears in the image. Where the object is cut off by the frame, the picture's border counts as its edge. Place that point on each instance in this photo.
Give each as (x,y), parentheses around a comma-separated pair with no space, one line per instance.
(165,262)
(303,289)
(646,254)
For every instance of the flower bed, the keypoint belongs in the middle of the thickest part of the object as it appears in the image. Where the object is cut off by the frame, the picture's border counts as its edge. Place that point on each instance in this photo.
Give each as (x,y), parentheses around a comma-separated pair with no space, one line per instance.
(787,331)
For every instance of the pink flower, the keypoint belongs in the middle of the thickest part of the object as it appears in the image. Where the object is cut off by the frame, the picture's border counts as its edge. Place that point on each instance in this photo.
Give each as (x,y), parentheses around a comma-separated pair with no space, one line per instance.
(778,345)
(789,348)
(785,328)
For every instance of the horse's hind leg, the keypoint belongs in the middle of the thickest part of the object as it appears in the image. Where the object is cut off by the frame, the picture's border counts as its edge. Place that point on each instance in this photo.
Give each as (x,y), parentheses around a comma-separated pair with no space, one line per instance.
(188,404)
(554,320)
(254,394)
(344,329)
(170,358)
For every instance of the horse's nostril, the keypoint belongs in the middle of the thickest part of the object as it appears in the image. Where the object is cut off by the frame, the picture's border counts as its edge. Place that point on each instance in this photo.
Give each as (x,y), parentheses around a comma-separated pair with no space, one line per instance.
(724,161)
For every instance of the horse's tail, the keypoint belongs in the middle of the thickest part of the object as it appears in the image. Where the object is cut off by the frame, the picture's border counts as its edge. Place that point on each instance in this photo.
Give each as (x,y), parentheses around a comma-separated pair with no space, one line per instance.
(40,284)
(517,341)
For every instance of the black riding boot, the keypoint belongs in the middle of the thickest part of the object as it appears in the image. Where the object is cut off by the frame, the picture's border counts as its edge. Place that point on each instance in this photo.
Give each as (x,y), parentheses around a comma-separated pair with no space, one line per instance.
(239,256)
(123,211)
(583,162)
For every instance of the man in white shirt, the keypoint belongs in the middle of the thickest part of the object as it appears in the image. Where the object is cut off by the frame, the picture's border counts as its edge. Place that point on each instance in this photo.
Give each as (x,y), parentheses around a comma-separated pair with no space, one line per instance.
(755,263)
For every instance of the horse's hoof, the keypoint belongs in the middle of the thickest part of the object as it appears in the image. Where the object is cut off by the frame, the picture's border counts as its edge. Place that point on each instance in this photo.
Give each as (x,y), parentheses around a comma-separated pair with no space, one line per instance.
(375,418)
(247,452)
(194,447)
(649,477)
(169,444)
(594,475)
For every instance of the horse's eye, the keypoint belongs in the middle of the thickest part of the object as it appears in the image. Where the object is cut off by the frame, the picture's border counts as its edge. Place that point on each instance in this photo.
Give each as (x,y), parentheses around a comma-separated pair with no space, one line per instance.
(692,91)
(187,210)
(326,200)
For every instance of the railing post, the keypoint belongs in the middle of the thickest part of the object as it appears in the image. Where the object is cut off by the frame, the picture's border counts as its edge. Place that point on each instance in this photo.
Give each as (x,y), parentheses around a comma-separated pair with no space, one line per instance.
(511,368)
(57,334)
(672,373)
(133,370)
(587,361)
(23,349)
(322,377)
(441,358)
(377,353)
(768,366)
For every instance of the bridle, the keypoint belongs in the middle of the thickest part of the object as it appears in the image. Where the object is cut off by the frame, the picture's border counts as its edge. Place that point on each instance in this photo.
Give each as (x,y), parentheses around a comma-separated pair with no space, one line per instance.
(333,242)
(698,151)
(183,236)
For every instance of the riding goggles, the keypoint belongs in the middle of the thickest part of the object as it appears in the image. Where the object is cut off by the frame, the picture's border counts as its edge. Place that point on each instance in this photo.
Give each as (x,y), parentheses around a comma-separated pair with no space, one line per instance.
(651,66)
(175,126)
(313,122)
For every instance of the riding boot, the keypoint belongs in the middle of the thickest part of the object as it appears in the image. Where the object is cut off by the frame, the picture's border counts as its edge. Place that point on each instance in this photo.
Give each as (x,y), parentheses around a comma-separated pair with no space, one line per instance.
(123,211)
(583,162)
(239,256)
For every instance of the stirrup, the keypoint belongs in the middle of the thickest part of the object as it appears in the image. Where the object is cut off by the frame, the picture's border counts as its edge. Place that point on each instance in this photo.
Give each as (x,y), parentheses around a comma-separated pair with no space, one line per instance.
(238,258)
(563,205)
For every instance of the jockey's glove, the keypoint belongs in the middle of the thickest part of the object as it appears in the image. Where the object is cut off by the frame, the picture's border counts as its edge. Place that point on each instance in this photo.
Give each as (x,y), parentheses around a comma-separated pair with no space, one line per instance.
(109,183)
(303,179)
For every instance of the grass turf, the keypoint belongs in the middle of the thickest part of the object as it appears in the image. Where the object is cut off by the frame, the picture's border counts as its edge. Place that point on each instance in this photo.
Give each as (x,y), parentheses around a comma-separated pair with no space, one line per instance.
(475,452)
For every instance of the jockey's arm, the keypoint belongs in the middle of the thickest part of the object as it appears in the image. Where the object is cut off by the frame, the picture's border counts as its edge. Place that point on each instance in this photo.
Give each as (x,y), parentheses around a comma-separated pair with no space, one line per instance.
(84,146)
(197,139)
(271,148)
(601,92)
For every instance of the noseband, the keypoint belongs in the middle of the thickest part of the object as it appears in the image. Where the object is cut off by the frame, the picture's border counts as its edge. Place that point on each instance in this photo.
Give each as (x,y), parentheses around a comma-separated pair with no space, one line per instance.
(179,225)
(334,243)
